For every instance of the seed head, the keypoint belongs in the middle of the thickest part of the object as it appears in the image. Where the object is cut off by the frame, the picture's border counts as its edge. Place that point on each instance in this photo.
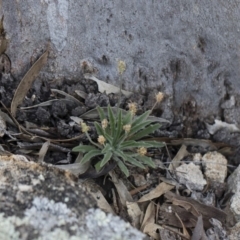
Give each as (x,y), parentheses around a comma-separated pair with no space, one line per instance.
(132,108)
(104,123)
(159,97)
(85,127)
(121,67)
(101,139)
(142,151)
(127,128)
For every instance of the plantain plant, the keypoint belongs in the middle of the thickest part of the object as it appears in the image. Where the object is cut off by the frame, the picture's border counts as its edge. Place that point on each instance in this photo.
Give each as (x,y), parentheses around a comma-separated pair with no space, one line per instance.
(120,138)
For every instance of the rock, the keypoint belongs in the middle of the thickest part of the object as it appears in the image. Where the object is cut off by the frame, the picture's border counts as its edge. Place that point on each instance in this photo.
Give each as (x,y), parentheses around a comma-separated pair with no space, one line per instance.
(217,231)
(39,201)
(234,186)
(191,176)
(167,46)
(215,166)
(234,181)
(234,232)
(197,158)
(235,206)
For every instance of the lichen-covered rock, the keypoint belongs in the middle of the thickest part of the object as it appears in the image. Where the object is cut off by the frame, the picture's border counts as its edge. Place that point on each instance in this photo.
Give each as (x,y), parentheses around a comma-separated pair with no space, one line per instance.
(47,220)
(39,201)
(191,176)
(40,197)
(215,166)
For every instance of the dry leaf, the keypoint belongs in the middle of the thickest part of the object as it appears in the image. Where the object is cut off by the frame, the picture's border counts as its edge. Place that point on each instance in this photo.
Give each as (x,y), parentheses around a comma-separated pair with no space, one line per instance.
(206,211)
(135,213)
(188,206)
(166,234)
(139,189)
(161,189)
(81,94)
(43,104)
(94,190)
(122,190)
(1,26)
(77,167)
(74,168)
(195,142)
(198,232)
(93,113)
(107,88)
(68,96)
(26,82)
(76,119)
(175,231)
(206,144)
(102,202)
(158,119)
(6,118)
(151,230)
(3,40)
(179,156)
(43,151)
(115,203)
(167,214)
(149,216)
(185,232)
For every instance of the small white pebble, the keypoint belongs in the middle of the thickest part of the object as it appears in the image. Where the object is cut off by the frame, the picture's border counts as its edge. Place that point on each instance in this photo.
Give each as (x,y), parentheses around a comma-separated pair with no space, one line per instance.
(41,177)
(169,209)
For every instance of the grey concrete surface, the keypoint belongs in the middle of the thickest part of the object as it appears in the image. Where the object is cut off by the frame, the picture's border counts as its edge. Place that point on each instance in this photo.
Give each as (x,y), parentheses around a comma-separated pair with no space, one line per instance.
(187,49)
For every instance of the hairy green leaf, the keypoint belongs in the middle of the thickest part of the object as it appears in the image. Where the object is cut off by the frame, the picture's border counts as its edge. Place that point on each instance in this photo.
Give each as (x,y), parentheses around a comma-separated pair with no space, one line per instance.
(120,154)
(107,157)
(99,128)
(149,144)
(147,161)
(84,148)
(128,143)
(123,168)
(101,113)
(97,166)
(145,132)
(133,161)
(119,127)
(139,127)
(100,131)
(136,144)
(111,120)
(91,154)
(127,118)
(107,148)
(141,118)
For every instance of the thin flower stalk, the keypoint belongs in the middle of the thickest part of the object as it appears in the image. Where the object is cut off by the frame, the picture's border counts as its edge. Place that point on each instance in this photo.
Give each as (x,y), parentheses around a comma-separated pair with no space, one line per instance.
(159,97)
